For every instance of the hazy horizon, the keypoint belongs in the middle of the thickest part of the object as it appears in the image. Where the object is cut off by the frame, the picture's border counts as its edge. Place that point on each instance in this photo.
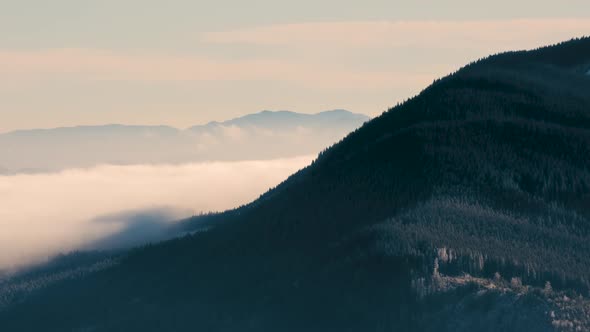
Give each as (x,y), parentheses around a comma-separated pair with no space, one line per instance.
(66,63)
(179,128)
(261,136)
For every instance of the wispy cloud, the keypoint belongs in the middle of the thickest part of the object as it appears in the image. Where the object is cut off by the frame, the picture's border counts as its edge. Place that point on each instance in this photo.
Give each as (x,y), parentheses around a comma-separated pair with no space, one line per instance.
(364,66)
(328,55)
(521,33)
(109,65)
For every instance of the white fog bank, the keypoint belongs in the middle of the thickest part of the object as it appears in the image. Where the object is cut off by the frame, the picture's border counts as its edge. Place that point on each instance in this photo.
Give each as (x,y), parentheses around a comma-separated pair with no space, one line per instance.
(44,214)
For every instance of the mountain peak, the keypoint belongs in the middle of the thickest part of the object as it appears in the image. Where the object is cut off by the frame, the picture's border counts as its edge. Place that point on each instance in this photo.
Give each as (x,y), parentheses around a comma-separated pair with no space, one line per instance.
(573,54)
(264,135)
(289,119)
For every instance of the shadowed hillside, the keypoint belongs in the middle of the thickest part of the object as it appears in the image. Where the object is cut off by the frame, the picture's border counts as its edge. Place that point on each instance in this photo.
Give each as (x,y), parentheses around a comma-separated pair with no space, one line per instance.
(464,208)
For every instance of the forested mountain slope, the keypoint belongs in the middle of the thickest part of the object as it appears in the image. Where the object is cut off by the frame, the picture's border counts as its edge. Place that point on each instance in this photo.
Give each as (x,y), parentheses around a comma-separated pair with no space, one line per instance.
(464,208)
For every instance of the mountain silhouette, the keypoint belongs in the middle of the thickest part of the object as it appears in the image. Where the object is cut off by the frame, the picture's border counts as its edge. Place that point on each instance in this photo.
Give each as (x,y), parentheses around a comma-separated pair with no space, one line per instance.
(264,135)
(465,208)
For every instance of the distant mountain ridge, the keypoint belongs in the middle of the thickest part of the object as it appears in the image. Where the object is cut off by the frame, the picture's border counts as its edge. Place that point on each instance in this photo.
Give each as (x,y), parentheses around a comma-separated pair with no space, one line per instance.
(264,118)
(261,135)
(271,119)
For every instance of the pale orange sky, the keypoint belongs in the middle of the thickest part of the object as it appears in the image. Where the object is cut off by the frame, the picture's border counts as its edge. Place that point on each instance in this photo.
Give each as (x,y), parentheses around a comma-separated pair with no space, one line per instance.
(193,62)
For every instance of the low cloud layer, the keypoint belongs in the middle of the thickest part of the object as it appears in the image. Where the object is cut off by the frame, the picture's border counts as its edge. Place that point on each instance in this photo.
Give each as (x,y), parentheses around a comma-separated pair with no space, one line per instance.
(45,214)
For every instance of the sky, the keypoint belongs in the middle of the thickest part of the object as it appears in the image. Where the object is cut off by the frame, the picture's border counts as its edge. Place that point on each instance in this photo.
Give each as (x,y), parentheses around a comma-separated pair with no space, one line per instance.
(181,62)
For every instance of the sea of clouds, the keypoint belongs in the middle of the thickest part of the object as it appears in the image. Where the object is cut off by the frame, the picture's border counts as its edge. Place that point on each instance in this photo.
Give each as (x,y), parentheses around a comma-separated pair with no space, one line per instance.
(42,215)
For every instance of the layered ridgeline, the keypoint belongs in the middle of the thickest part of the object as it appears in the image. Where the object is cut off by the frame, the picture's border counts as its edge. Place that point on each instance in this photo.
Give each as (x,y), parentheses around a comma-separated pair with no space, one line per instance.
(465,208)
(264,135)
